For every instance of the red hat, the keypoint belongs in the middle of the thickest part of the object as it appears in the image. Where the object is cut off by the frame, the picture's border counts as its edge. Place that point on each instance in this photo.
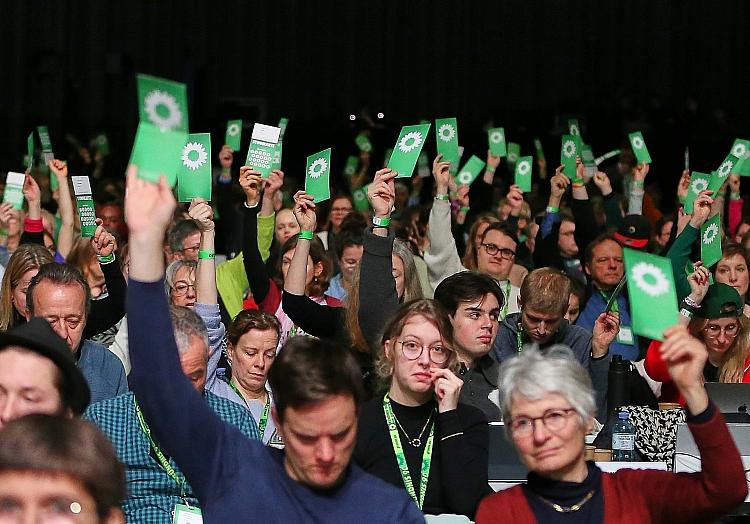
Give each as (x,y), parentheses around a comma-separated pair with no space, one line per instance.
(634,232)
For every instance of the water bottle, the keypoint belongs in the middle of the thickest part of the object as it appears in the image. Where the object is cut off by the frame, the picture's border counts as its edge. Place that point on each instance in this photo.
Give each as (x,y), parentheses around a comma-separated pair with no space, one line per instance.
(623,439)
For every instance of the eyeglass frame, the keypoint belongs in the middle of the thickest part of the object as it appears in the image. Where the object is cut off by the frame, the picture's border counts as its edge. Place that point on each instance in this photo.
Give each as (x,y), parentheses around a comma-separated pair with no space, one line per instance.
(722,329)
(492,250)
(421,351)
(532,425)
(176,292)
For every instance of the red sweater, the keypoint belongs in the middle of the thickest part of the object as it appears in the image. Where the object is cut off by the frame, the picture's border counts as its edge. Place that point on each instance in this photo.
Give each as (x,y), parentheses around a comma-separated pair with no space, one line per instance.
(642,496)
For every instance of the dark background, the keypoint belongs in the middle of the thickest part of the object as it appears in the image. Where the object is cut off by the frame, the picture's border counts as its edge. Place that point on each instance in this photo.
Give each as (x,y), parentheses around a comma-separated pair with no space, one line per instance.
(678,71)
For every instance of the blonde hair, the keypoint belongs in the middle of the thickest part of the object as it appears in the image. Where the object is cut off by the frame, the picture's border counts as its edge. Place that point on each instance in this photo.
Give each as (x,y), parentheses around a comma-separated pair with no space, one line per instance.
(26,258)
(732,368)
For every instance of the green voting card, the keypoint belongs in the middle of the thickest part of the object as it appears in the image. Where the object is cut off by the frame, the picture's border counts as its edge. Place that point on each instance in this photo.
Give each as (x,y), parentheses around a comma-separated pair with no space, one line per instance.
(30,150)
(698,183)
(317,175)
(407,149)
(470,171)
(276,160)
(44,139)
(101,142)
(639,147)
(352,163)
(283,122)
(514,151)
(523,173)
(568,154)
(163,128)
(363,143)
(496,139)
(262,147)
(14,189)
(721,174)
(446,136)
(741,149)
(85,204)
(573,127)
(360,198)
(538,148)
(194,175)
(652,293)
(711,241)
(233,134)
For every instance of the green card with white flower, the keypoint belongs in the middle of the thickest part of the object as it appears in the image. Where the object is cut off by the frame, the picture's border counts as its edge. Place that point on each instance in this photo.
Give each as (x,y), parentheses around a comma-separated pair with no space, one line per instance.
(260,154)
(363,143)
(233,134)
(352,163)
(639,147)
(13,193)
(698,183)
(741,149)
(722,173)
(573,127)
(568,153)
(163,128)
(711,241)
(651,289)
(317,175)
(407,149)
(523,173)
(446,136)
(194,175)
(496,139)
(471,170)
(514,151)
(360,198)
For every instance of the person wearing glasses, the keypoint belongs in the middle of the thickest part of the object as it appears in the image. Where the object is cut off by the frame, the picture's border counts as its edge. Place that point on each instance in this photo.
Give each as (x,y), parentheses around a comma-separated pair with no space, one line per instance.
(544,299)
(548,405)
(713,314)
(183,241)
(417,435)
(180,282)
(496,252)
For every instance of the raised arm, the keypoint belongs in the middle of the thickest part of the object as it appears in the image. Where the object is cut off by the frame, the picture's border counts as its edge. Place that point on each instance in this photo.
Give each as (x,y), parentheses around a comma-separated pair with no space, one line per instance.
(109,310)
(255,269)
(177,415)
(635,202)
(583,212)
(59,170)
(33,229)
(378,298)
(679,253)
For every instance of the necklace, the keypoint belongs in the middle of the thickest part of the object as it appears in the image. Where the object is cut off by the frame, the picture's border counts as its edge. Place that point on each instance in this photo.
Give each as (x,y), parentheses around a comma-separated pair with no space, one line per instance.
(415,442)
(567,509)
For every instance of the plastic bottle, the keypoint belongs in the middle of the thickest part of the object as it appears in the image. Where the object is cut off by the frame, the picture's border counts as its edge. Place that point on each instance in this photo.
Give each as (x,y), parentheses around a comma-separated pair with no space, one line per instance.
(623,439)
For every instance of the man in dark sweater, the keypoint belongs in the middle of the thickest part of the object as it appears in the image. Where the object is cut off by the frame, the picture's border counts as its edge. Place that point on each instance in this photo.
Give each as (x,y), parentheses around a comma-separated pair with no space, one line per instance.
(317,389)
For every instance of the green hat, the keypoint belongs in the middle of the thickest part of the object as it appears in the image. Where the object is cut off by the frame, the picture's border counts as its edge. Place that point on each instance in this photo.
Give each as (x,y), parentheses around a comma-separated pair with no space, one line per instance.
(721,301)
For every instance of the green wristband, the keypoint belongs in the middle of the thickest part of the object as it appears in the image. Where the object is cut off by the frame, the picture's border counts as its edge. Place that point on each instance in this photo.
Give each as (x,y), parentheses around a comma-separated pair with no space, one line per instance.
(106,260)
(381,222)
(735,196)
(206,255)
(305,235)
(551,209)
(444,198)
(638,184)
(464,209)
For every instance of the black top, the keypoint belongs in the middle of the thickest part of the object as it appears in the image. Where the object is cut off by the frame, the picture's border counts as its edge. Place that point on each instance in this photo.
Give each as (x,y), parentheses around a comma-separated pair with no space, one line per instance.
(480,384)
(566,494)
(458,472)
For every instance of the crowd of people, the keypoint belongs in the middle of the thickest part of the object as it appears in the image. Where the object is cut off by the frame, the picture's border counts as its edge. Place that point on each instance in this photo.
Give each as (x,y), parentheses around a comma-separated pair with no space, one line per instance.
(265,357)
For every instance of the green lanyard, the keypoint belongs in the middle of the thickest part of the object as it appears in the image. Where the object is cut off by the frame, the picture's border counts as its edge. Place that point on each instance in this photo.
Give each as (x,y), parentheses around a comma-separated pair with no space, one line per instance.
(504,313)
(519,338)
(401,459)
(159,455)
(263,422)
(615,307)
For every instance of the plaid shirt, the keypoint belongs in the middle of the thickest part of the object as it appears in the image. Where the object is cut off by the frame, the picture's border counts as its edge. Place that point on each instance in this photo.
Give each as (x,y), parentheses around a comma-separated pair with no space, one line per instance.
(152,494)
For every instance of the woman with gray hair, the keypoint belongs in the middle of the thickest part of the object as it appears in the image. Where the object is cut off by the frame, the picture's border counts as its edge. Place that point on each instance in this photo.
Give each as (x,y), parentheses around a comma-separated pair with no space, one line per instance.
(548,407)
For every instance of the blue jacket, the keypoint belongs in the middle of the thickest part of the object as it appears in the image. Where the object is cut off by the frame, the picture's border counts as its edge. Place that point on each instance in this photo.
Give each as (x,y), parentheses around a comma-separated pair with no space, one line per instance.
(103,371)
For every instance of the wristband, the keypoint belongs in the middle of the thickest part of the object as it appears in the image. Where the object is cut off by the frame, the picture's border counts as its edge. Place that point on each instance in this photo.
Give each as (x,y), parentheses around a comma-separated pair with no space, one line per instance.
(381,222)
(464,209)
(686,313)
(638,184)
(490,170)
(206,255)
(444,198)
(106,260)
(735,196)
(305,235)
(690,302)
(577,185)
(551,209)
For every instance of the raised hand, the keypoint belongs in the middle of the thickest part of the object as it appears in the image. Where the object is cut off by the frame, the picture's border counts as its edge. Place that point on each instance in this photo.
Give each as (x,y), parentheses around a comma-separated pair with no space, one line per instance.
(701,209)
(59,169)
(251,183)
(606,327)
(462,196)
(440,170)
(447,388)
(601,180)
(686,357)
(515,199)
(734,183)
(492,160)
(103,242)
(699,283)
(558,184)
(149,207)
(31,190)
(304,211)
(6,215)
(684,185)
(203,214)
(640,171)
(382,193)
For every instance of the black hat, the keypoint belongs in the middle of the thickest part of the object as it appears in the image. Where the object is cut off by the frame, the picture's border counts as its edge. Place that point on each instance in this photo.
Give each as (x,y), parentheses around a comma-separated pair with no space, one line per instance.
(634,232)
(37,335)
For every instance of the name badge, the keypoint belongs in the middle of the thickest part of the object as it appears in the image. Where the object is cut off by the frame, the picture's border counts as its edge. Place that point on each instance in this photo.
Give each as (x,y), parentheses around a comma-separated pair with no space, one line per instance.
(186,515)
(625,335)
